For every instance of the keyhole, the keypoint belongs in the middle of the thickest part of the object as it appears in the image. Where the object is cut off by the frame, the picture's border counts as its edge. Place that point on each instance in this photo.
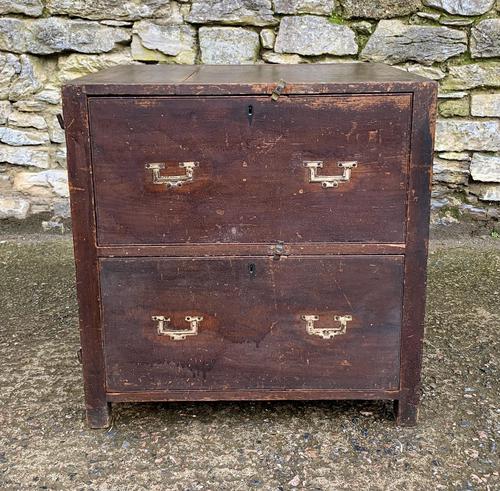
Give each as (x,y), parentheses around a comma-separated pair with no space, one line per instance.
(250,113)
(251,269)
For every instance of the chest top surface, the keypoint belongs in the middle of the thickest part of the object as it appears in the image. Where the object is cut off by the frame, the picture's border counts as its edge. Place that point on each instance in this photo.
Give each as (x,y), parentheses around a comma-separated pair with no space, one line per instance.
(248,79)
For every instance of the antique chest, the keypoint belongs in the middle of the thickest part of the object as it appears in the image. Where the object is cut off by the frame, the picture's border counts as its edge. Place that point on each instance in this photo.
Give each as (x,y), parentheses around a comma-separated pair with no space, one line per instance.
(250,232)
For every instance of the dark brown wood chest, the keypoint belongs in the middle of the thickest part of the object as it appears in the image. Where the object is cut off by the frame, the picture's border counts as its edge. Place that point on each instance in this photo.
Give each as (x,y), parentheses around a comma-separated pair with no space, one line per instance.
(251,232)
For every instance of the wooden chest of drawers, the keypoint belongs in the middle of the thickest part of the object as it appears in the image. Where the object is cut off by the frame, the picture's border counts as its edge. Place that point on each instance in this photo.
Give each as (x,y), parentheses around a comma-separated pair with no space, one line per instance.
(252,232)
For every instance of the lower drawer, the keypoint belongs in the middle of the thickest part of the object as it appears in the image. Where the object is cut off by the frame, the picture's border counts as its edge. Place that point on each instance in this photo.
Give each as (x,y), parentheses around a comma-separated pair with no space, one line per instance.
(329,322)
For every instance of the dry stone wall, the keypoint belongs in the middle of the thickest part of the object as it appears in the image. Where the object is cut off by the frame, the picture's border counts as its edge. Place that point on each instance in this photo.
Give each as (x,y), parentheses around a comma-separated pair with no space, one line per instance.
(46,42)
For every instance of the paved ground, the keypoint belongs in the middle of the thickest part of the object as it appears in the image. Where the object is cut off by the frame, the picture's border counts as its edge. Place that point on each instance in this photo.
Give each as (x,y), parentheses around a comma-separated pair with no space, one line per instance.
(44,443)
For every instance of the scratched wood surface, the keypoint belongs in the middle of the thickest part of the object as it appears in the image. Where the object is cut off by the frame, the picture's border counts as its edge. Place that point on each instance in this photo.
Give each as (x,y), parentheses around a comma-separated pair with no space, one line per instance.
(251,185)
(252,335)
(360,247)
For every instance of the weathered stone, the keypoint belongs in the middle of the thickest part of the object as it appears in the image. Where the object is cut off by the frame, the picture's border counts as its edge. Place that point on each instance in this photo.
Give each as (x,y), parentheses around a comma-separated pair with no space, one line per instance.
(452,95)
(431,72)
(267,38)
(14,207)
(117,23)
(461,7)
(282,59)
(43,184)
(31,78)
(26,156)
(27,120)
(235,12)
(109,9)
(455,156)
(485,39)
(395,42)
(33,8)
(228,45)
(54,35)
(312,35)
(76,65)
(5,110)
(486,105)
(486,192)
(304,7)
(454,107)
(362,27)
(5,182)
(173,40)
(466,134)
(381,9)
(428,15)
(17,138)
(29,106)
(485,167)
(61,208)
(60,156)
(465,77)
(56,133)
(140,53)
(455,21)
(50,95)
(10,67)
(450,171)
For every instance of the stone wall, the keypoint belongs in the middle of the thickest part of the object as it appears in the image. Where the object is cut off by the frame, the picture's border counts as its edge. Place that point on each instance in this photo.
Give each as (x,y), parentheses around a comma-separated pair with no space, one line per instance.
(45,42)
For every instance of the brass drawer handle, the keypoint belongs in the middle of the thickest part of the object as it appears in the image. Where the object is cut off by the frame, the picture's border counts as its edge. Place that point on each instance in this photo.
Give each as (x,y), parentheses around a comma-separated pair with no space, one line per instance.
(177,334)
(172,181)
(329,181)
(326,332)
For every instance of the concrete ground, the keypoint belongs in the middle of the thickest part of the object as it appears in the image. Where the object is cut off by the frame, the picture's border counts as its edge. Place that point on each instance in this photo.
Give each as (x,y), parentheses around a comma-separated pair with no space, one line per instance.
(45,444)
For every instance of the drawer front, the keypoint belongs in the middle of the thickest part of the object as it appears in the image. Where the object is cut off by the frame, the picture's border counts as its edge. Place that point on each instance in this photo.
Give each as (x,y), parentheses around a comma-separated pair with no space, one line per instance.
(329,322)
(250,170)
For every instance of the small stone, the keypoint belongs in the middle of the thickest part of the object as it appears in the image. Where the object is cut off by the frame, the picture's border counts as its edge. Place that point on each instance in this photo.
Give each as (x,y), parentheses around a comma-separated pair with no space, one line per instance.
(29,106)
(267,38)
(461,7)
(10,67)
(431,72)
(14,207)
(486,192)
(31,78)
(140,53)
(485,39)
(104,9)
(5,110)
(55,224)
(451,95)
(456,22)
(228,45)
(485,105)
(312,35)
(61,208)
(16,137)
(235,12)
(380,9)
(282,59)
(55,34)
(27,120)
(395,42)
(465,77)
(49,95)
(117,23)
(485,167)
(465,134)
(362,27)
(43,184)
(77,65)
(428,15)
(60,156)
(304,7)
(450,171)
(455,156)
(33,8)
(295,481)
(172,40)
(454,107)
(56,133)
(26,156)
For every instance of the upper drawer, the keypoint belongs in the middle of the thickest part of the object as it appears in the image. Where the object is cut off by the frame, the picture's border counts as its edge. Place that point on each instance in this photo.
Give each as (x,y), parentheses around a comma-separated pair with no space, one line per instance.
(302,169)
